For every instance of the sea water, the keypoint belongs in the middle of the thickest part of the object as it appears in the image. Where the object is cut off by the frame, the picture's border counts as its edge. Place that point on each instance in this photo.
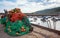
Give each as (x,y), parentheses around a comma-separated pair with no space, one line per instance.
(48,23)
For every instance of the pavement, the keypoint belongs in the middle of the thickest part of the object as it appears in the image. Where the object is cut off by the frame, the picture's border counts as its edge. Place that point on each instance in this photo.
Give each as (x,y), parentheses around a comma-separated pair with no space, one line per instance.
(36,33)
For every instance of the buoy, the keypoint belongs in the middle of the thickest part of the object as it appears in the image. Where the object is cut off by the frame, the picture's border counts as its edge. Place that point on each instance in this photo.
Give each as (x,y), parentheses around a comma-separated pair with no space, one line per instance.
(17,33)
(9,30)
(23,29)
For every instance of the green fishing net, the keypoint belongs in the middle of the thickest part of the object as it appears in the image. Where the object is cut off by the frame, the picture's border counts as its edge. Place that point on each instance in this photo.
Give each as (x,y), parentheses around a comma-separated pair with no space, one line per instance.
(14,28)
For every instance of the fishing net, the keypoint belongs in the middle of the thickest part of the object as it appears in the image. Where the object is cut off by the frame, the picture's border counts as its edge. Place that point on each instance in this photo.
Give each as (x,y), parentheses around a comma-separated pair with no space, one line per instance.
(19,27)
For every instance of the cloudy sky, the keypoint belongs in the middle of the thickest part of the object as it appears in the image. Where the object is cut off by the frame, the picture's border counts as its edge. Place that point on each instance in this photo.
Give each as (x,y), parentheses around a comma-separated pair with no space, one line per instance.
(28,6)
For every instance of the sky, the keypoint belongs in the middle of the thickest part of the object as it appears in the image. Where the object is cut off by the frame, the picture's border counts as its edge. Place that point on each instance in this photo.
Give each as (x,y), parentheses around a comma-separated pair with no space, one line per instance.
(28,6)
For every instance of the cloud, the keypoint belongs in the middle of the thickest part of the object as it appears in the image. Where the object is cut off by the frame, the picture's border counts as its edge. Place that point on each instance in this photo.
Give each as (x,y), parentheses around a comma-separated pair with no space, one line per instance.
(58,1)
(29,6)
